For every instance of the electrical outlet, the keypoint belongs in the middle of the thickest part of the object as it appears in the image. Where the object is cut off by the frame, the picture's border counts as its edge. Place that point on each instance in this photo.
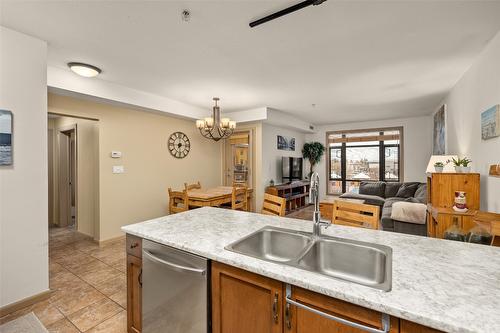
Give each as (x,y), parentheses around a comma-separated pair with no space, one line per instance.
(118,169)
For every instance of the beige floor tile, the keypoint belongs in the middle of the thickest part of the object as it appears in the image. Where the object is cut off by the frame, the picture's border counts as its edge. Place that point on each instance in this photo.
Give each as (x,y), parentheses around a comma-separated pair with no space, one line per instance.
(75,300)
(114,257)
(62,326)
(120,298)
(115,324)
(64,280)
(97,277)
(113,285)
(86,245)
(94,314)
(46,312)
(85,265)
(120,265)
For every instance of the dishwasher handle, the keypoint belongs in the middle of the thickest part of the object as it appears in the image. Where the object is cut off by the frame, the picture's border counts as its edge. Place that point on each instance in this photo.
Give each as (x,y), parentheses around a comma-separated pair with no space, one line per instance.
(171,264)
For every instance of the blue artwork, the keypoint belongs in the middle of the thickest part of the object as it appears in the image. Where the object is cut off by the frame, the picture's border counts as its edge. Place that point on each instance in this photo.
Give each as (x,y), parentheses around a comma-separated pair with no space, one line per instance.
(490,123)
(439,132)
(5,137)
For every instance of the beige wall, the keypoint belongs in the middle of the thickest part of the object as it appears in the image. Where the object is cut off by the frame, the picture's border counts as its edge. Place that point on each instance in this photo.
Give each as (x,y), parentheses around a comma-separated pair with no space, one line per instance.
(87,183)
(140,193)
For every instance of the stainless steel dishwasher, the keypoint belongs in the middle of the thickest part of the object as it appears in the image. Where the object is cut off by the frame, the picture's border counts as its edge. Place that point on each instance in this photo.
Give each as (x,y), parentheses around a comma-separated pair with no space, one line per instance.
(175,290)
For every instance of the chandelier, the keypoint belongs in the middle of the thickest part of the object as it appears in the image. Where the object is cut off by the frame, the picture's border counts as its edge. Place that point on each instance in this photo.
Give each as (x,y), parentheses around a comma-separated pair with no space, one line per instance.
(214,127)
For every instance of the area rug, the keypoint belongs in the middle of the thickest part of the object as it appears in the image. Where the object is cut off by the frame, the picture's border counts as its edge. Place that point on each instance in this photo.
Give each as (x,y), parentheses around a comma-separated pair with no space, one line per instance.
(26,324)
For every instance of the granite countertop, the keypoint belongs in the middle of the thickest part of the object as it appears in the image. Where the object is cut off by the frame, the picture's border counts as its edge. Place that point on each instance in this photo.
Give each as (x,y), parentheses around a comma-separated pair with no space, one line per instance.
(450,286)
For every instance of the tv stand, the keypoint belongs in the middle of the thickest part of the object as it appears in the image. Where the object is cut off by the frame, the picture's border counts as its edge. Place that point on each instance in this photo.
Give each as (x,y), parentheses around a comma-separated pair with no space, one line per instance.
(294,192)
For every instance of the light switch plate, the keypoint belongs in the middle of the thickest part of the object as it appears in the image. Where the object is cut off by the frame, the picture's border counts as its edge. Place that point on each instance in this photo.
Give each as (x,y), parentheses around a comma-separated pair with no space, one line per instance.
(116,154)
(118,169)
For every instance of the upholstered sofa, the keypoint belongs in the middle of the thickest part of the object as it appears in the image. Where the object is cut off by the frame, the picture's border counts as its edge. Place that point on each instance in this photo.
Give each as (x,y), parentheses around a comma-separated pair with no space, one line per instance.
(385,194)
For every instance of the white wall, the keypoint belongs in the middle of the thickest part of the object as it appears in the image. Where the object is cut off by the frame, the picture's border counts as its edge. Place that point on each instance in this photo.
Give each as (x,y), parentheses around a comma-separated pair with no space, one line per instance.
(475,92)
(23,186)
(271,156)
(417,133)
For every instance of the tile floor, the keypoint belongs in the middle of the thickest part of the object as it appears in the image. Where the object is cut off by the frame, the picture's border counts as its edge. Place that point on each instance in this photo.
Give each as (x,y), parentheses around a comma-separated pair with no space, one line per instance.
(89,284)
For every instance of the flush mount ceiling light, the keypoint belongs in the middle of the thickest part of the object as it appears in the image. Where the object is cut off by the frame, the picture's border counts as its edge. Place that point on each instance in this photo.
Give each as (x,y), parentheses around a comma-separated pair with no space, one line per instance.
(85,70)
(214,127)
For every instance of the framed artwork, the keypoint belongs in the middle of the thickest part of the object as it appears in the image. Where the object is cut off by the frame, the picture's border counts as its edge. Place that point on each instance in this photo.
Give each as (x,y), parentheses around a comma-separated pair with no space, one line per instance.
(285,143)
(439,132)
(490,123)
(5,137)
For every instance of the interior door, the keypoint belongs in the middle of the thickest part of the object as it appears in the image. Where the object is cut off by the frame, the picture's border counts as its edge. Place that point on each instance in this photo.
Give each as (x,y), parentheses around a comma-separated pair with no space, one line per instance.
(238,159)
(64,180)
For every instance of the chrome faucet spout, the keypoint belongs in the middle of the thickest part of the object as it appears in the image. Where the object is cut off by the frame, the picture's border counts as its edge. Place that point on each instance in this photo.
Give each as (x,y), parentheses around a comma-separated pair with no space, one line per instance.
(314,199)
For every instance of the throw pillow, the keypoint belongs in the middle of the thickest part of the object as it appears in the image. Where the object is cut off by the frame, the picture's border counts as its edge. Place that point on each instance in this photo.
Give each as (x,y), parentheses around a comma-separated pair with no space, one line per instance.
(407,190)
(421,193)
(372,188)
(391,188)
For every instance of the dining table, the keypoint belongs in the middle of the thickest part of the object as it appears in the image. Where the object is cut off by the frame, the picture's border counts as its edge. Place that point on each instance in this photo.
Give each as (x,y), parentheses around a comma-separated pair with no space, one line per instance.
(214,197)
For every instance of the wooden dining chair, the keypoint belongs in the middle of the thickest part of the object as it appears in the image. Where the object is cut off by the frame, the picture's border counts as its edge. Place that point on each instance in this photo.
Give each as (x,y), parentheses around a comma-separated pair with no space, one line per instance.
(355,214)
(177,201)
(239,198)
(273,205)
(194,186)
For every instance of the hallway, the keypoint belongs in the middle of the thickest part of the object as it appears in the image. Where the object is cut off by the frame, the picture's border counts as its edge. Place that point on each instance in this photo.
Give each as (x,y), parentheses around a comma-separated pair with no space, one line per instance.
(89,285)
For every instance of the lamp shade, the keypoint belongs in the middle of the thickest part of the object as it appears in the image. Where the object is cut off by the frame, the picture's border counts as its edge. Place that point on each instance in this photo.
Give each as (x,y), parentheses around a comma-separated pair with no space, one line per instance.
(441,158)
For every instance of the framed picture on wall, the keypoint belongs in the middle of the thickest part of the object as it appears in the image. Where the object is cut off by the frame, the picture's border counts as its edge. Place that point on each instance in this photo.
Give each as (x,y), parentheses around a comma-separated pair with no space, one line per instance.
(5,137)
(490,123)
(439,132)
(284,143)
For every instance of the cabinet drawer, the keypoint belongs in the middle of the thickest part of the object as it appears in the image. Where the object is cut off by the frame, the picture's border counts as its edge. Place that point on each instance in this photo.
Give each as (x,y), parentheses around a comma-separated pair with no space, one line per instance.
(134,246)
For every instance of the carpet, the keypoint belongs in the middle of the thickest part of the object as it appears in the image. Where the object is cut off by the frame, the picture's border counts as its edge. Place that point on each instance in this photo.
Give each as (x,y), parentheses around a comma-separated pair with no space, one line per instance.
(26,324)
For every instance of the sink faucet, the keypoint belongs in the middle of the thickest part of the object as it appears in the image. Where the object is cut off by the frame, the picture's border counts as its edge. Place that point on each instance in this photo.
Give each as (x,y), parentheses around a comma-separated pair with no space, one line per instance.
(314,199)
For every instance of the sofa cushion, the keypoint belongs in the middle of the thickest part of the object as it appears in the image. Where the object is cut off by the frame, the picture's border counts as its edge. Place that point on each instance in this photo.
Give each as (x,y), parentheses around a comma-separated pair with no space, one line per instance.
(407,190)
(369,199)
(410,212)
(391,189)
(421,193)
(372,188)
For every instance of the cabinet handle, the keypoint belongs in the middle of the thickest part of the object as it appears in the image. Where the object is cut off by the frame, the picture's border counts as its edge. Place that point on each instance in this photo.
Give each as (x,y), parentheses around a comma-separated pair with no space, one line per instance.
(134,245)
(139,278)
(275,307)
(288,316)
(386,323)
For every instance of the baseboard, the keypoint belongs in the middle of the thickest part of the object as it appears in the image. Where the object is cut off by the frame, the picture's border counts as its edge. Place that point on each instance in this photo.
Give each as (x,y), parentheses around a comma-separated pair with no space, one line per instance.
(13,307)
(110,240)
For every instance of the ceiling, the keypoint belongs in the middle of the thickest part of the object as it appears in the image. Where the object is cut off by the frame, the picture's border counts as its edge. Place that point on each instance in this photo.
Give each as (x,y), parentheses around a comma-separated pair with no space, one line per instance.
(355,60)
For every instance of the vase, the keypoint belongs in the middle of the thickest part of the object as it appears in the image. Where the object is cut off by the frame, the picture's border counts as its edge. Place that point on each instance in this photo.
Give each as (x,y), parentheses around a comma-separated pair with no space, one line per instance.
(466,169)
(454,232)
(438,168)
(458,169)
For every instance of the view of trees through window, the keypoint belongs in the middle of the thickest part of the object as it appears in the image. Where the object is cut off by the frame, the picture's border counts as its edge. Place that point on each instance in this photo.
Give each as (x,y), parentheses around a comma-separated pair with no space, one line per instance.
(362,156)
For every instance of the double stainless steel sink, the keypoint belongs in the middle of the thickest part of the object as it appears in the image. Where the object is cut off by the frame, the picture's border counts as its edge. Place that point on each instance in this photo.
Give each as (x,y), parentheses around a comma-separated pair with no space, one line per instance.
(359,262)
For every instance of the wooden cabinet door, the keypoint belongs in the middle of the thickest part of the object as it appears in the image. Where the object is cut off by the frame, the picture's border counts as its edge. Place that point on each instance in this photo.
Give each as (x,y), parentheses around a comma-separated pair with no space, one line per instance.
(134,294)
(409,327)
(298,320)
(244,302)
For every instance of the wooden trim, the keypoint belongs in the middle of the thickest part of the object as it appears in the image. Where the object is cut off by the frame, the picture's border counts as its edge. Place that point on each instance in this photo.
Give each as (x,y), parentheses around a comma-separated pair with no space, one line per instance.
(13,307)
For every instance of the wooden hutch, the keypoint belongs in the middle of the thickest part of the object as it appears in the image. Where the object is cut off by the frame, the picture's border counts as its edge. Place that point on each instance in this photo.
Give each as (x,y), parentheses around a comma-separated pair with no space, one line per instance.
(441,189)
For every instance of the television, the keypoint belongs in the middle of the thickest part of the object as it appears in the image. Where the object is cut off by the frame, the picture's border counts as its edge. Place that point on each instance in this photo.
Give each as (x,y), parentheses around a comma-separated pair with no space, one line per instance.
(291,168)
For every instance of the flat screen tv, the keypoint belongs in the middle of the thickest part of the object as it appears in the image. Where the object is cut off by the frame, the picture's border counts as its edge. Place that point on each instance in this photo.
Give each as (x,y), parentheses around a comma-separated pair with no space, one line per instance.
(291,168)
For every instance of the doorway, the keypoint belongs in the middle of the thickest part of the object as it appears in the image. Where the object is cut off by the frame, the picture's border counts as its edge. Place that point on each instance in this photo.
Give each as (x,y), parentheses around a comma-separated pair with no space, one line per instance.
(238,160)
(73,154)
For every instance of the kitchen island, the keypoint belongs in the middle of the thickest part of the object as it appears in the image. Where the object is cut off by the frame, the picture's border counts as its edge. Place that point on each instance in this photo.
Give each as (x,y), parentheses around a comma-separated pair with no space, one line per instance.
(445,285)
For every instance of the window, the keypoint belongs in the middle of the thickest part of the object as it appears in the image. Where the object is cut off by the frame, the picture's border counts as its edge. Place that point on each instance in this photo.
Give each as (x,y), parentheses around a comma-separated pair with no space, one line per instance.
(363,155)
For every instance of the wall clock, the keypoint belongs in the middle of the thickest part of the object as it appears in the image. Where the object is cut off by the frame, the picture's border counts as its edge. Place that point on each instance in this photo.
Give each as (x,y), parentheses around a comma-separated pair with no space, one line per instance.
(179,145)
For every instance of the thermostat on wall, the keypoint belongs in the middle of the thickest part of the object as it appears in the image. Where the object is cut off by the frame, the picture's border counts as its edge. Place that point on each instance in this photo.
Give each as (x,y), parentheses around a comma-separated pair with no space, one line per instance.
(116,154)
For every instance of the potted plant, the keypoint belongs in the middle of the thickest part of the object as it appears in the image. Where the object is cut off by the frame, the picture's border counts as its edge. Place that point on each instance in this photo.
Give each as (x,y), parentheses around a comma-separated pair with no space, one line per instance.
(466,165)
(313,152)
(439,166)
(461,164)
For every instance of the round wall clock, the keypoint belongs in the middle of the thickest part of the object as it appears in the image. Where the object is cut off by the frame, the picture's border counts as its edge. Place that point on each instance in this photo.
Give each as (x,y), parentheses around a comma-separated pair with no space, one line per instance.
(179,145)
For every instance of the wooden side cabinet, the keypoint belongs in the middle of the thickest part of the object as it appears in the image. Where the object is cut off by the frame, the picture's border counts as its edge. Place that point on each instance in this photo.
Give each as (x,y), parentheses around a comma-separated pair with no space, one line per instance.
(245,302)
(134,284)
